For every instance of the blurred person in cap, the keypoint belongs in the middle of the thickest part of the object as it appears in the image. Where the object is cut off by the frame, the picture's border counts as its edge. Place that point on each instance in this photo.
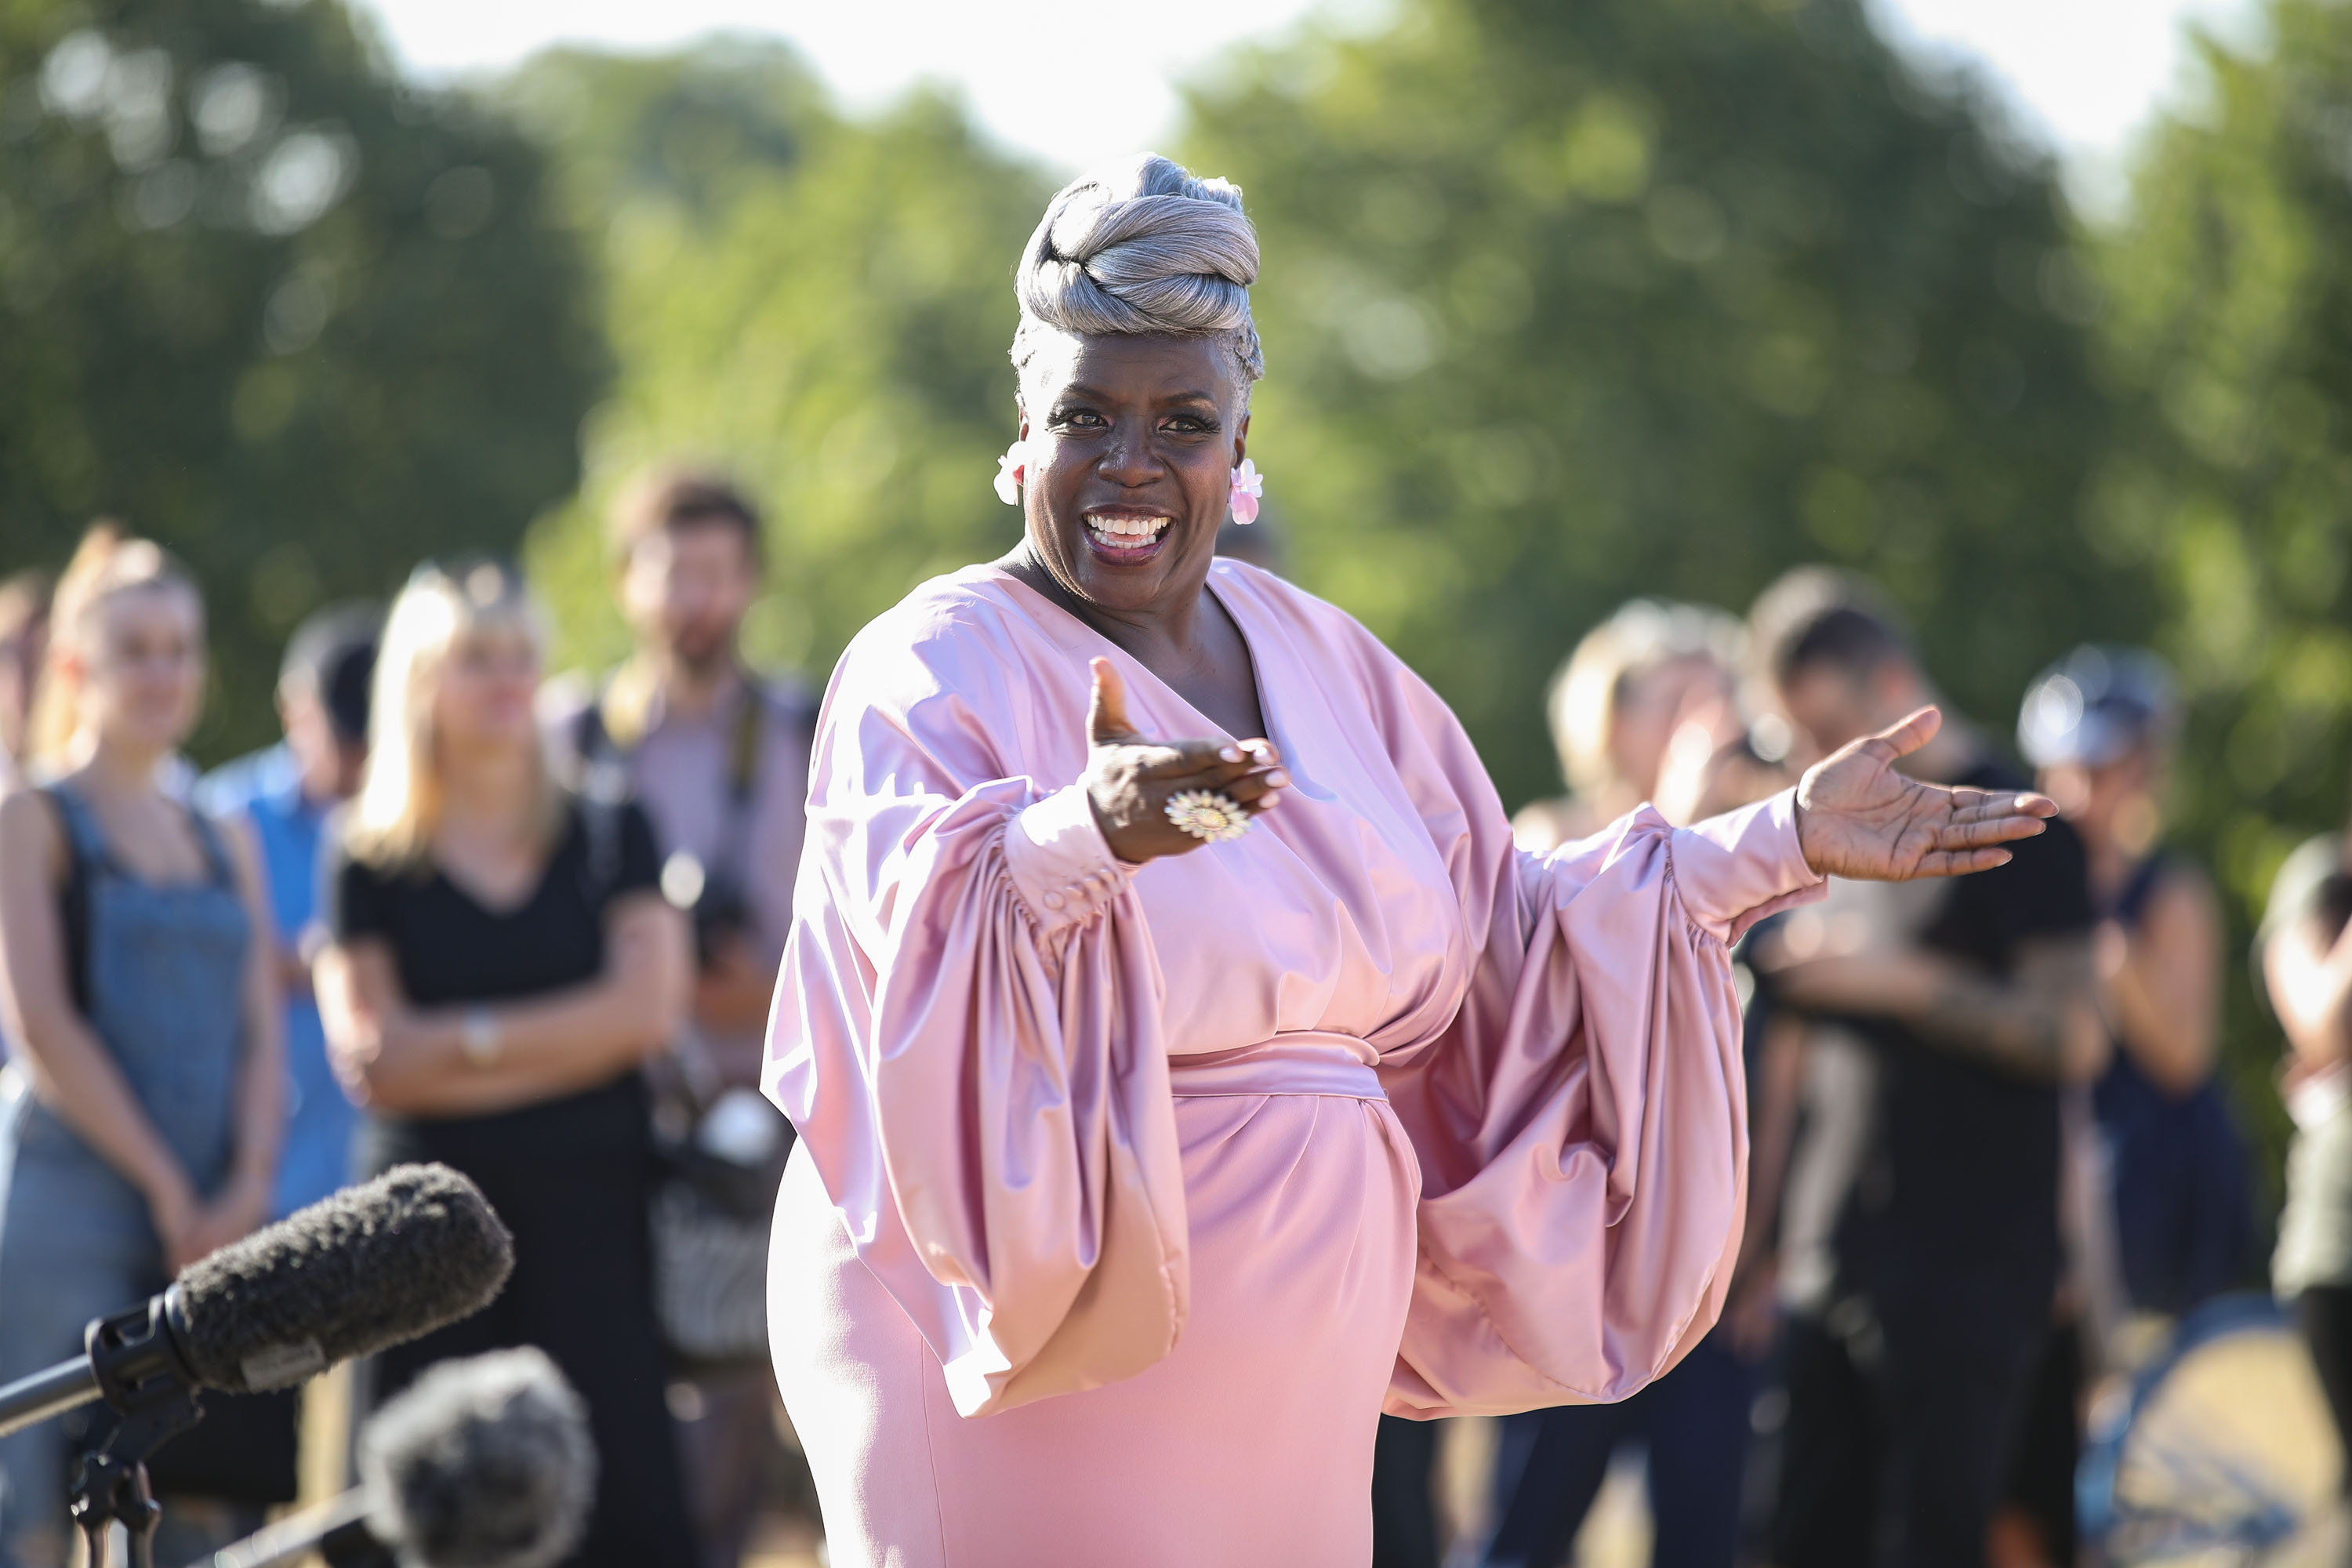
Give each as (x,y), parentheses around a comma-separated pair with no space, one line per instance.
(2305,948)
(1921,1223)
(288,792)
(2099,726)
(718,755)
(2155,1193)
(24,644)
(1644,712)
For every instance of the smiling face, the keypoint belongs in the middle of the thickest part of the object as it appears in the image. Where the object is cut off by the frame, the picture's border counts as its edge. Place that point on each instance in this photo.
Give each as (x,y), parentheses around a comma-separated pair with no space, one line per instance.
(143,679)
(1130,443)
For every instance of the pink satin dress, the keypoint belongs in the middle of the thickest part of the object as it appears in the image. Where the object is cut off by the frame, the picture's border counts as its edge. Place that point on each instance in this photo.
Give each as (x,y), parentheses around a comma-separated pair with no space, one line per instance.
(1128,1197)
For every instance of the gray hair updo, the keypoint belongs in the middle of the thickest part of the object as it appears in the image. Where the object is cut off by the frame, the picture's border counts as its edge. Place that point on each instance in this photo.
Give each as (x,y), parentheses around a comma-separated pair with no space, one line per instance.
(1140,247)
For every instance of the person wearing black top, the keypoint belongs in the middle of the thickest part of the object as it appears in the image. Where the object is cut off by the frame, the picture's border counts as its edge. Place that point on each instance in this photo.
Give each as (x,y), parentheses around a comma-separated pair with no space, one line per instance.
(501,964)
(1932,1174)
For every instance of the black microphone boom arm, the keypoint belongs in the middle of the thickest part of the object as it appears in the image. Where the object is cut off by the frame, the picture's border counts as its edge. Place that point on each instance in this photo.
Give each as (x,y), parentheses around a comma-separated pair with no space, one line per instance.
(65,1386)
(134,1361)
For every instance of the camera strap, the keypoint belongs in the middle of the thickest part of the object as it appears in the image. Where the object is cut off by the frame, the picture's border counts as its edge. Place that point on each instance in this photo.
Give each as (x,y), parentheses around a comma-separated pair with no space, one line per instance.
(743,768)
(607,731)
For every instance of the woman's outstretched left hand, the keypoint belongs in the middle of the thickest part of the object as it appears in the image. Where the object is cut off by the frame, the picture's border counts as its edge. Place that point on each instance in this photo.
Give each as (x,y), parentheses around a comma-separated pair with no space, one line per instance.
(1857,817)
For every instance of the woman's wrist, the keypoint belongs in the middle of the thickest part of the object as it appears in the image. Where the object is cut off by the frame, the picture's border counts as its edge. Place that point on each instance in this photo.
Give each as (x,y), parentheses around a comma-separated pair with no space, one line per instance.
(171,1196)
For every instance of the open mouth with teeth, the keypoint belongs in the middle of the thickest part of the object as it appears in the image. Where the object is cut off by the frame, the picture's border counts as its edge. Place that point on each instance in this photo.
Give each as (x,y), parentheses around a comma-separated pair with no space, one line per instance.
(1120,536)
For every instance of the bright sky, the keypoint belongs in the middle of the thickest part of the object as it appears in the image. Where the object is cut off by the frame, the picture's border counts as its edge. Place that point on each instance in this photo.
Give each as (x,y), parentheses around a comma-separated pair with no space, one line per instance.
(2085,73)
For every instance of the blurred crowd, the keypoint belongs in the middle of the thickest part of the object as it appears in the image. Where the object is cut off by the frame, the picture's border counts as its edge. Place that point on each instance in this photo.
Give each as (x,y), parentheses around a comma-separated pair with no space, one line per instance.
(1990,1157)
(1991,1164)
(460,912)
(529,927)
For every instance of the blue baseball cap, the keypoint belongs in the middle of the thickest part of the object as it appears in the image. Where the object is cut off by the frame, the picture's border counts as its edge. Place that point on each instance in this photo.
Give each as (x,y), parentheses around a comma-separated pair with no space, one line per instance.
(2094,705)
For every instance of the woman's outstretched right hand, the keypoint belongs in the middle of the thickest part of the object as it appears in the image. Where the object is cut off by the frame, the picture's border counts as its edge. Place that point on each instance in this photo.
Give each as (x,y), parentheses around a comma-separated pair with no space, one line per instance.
(1130,779)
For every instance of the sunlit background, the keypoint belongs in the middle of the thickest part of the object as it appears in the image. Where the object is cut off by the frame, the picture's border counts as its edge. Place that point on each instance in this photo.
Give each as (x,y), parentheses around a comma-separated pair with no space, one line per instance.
(2039,312)
(2082,74)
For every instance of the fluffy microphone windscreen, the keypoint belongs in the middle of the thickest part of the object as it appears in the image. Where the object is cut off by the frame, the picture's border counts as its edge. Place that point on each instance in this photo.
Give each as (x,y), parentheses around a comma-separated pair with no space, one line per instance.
(371,1267)
(484,1463)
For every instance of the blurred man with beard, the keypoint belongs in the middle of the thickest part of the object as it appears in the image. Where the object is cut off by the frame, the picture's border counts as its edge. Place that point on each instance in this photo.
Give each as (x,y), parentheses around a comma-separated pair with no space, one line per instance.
(1920,1242)
(718,755)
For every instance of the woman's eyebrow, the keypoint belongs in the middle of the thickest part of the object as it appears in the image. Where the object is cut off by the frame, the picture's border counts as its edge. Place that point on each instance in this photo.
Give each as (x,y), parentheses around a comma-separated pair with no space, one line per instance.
(1079,391)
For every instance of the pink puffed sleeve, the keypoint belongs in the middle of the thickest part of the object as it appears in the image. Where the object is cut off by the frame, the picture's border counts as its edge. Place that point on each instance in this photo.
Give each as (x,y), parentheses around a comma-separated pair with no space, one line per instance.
(967,1029)
(1582,1125)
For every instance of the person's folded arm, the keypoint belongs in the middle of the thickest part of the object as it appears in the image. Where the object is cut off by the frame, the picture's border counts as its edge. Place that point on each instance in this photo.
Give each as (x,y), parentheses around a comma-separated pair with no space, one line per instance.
(411,1061)
(2039,1022)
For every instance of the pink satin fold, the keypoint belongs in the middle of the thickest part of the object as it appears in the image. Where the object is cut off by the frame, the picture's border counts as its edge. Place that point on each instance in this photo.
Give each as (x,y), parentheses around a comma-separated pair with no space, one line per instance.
(1308,1061)
(1363,1106)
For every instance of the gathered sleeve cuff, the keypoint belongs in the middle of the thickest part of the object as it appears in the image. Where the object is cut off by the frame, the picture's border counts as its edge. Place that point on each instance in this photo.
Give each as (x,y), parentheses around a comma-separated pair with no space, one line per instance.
(1582,1127)
(1061,866)
(1743,867)
(966,1034)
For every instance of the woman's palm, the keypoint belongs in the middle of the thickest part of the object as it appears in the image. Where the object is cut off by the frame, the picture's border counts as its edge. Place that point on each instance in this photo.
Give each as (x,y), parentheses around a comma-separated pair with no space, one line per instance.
(1858,817)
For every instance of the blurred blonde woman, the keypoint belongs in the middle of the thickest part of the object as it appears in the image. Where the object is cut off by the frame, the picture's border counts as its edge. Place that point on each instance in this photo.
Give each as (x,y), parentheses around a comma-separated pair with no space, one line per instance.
(1637,714)
(143,1010)
(501,964)
(1646,712)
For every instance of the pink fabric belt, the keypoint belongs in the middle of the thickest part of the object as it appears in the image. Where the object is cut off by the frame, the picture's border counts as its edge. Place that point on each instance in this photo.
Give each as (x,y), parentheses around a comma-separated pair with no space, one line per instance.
(1306,1062)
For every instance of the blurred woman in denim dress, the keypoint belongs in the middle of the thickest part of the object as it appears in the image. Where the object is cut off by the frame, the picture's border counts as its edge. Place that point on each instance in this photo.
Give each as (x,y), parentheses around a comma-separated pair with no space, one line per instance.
(141,1124)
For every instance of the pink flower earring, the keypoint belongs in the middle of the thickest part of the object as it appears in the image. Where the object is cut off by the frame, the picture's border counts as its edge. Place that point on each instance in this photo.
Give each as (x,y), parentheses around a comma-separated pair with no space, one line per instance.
(1248,486)
(1011,468)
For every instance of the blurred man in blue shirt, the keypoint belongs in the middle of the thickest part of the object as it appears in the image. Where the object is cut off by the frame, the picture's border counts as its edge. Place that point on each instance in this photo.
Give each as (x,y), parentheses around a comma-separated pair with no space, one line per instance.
(289,792)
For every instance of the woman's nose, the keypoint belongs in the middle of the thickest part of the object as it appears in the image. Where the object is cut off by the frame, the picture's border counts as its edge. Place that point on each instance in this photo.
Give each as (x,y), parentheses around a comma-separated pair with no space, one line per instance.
(1128,458)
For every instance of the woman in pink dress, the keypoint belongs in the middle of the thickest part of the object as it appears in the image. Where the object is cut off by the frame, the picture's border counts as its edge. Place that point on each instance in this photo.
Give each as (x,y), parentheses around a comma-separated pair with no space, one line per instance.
(1187,1066)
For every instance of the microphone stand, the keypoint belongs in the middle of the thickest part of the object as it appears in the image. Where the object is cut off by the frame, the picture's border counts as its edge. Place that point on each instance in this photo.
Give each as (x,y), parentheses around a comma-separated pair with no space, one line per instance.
(140,1372)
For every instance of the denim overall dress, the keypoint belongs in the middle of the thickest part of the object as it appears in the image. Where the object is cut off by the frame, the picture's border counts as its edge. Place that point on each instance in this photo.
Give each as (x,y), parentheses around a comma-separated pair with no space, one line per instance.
(159,975)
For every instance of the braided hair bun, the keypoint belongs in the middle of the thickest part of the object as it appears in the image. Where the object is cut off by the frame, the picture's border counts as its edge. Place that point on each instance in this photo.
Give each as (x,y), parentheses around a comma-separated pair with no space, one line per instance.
(1142,248)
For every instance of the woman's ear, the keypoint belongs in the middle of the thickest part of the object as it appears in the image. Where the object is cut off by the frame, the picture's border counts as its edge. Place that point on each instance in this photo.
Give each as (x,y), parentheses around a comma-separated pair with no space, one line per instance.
(1241,441)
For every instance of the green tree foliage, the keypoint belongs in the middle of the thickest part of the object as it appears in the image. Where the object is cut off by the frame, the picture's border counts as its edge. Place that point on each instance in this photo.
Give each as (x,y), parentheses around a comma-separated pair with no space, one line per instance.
(820,306)
(1565,303)
(2229,335)
(2230,329)
(301,322)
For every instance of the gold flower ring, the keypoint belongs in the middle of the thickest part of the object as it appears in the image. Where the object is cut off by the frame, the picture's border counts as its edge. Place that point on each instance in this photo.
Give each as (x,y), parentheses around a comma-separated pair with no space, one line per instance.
(1207,815)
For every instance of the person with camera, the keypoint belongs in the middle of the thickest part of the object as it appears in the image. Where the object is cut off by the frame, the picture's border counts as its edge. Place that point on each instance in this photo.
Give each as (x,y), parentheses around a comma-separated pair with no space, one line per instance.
(718,757)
